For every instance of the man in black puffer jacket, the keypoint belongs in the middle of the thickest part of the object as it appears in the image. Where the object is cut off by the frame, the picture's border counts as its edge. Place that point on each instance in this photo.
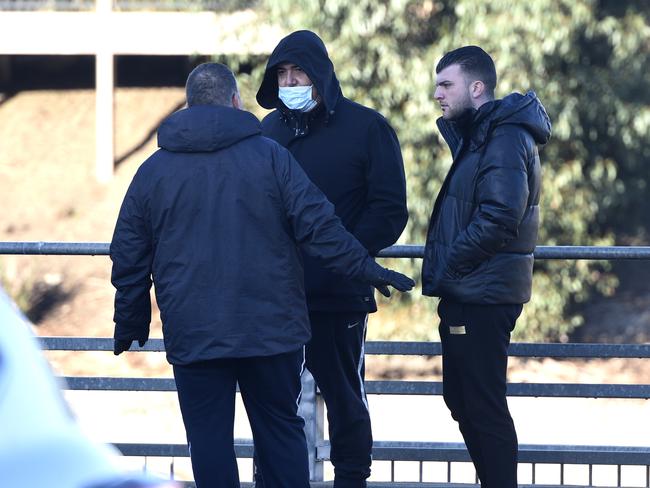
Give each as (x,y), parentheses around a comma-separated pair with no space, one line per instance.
(352,155)
(479,250)
(217,217)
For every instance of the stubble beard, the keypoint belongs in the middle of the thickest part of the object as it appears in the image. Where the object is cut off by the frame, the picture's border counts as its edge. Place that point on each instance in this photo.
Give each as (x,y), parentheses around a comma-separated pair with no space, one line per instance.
(459,108)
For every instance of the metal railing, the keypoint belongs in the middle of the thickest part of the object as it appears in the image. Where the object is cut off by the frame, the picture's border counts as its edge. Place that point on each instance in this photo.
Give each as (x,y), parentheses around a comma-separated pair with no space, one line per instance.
(407,451)
(399,251)
(420,452)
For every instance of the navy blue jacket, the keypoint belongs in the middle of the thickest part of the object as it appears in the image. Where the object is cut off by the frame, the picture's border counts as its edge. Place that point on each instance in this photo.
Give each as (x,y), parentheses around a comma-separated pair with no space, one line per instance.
(483,227)
(351,153)
(216,218)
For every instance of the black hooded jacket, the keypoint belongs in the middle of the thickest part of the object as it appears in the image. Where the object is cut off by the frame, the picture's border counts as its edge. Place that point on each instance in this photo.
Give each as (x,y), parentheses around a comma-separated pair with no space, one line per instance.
(483,228)
(351,153)
(216,217)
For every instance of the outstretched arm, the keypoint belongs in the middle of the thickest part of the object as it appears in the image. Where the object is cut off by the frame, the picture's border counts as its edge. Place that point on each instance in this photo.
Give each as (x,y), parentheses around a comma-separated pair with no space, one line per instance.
(320,232)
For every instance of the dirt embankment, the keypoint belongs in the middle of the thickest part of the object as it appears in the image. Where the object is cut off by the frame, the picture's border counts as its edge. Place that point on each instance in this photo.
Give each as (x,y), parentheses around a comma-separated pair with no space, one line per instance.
(48,193)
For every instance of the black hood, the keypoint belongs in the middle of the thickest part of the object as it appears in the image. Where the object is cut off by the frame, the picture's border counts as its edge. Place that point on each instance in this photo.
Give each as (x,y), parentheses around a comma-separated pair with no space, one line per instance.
(307,50)
(206,128)
(524,110)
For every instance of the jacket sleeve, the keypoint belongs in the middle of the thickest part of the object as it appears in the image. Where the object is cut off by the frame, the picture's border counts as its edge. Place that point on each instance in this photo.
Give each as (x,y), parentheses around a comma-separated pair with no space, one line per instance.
(131,253)
(315,226)
(501,196)
(385,214)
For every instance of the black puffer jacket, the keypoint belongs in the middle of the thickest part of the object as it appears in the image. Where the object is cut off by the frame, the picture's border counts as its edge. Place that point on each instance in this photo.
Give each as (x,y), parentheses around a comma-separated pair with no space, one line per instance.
(216,217)
(483,228)
(351,153)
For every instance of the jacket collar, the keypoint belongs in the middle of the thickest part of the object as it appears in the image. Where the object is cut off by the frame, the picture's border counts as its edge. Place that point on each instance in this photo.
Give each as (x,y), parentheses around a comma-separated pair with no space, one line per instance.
(204,128)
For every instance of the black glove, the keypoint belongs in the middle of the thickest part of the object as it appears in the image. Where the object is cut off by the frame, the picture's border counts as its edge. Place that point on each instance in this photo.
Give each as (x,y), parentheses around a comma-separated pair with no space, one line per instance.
(119,345)
(380,278)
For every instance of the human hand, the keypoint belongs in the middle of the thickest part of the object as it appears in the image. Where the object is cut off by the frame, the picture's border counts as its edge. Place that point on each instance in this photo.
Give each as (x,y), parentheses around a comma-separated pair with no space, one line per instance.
(120,345)
(381,278)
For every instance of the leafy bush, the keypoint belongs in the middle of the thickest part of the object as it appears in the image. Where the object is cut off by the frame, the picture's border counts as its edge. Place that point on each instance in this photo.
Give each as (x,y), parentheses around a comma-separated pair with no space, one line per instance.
(588,62)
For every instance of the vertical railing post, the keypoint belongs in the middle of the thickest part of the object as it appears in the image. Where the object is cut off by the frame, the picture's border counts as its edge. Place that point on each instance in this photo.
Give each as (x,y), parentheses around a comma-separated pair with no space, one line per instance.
(312,409)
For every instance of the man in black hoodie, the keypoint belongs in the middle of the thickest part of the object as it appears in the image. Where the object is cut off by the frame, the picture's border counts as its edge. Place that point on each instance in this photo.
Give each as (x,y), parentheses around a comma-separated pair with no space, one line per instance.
(478,256)
(218,216)
(352,154)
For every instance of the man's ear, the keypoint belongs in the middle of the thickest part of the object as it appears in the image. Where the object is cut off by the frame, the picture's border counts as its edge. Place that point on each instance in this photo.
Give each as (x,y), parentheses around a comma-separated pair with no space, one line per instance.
(477,89)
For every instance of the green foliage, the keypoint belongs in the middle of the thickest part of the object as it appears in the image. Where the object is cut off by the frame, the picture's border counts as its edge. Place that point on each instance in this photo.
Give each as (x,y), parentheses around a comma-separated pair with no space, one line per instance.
(588,62)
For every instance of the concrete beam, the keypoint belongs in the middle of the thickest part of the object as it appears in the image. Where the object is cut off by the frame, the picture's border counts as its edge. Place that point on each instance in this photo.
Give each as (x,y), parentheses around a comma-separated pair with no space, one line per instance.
(154,33)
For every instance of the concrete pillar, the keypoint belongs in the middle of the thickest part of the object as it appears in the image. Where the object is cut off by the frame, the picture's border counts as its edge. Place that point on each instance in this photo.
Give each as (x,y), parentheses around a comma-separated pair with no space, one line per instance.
(104,100)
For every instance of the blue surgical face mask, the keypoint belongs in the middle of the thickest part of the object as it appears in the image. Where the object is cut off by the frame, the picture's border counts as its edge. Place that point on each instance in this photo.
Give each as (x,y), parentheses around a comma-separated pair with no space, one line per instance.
(297,97)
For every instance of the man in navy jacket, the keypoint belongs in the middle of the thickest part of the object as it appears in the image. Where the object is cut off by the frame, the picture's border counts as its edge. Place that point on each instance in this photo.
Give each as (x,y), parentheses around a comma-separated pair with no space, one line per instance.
(353,156)
(217,218)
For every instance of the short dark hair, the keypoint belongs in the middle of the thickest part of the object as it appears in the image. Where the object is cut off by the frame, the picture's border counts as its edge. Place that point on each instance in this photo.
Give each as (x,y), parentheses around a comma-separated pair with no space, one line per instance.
(473,61)
(210,84)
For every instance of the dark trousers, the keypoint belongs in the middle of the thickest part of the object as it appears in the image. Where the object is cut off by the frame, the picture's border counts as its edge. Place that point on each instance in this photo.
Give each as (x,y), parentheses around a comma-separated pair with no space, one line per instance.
(270,388)
(475,341)
(335,357)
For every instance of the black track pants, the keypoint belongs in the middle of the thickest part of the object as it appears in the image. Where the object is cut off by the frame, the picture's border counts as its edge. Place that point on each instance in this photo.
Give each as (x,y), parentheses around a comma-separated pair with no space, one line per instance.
(335,357)
(475,341)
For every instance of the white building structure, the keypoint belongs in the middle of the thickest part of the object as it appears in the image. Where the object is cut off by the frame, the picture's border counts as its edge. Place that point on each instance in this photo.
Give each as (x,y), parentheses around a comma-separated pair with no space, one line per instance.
(106,33)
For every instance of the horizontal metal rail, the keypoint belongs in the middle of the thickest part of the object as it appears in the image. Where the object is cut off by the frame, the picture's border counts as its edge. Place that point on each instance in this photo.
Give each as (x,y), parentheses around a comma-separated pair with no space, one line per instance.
(528,453)
(391,387)
(434,451)
(519,349)
(243,448)
(107,383)
(564,390)
(544,252)
(400,251)
(55,248)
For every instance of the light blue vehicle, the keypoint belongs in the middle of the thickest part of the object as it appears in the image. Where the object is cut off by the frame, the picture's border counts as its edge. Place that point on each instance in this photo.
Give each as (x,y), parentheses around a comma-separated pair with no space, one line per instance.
(40,443)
